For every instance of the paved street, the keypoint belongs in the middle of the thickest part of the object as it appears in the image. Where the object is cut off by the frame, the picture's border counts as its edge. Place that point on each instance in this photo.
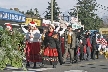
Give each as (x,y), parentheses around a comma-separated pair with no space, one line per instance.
(98,65)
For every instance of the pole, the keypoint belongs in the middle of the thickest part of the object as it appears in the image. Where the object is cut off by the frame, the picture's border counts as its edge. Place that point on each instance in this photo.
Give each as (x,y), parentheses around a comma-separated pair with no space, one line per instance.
(51,11)
(77,12)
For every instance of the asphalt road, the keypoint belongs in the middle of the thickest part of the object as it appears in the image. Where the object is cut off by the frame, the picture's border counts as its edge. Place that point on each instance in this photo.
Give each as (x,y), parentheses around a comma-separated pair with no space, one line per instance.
(98,65)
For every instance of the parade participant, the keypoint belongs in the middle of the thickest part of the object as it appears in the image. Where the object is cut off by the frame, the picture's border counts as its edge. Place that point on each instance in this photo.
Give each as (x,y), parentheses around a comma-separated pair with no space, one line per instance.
(98,45)
(9,28)
(77,50)
(32,45)
(88,45)
(70,44)
(61,33)
(83,46)
(61,40)
(51,43)
(62,29)
(93,46)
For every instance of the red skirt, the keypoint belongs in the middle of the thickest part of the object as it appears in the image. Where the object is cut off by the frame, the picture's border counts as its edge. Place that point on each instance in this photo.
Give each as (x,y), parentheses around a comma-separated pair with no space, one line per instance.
(84,49)
(50,56)
(50,52)
(62,46)
(32,52)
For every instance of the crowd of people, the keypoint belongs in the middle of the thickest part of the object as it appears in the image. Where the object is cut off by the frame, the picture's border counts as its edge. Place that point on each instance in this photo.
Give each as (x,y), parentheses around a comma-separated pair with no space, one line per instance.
(56,44)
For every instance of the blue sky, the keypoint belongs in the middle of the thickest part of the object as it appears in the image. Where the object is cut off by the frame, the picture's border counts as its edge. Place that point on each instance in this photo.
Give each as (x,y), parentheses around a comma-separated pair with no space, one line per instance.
(65,5)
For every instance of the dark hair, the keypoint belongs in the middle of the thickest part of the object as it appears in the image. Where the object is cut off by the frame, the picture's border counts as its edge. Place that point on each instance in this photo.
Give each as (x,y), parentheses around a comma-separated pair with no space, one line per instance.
(69,26)
(61,29)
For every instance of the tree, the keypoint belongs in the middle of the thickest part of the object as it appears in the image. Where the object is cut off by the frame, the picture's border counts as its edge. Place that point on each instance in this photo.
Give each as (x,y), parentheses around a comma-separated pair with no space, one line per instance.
(21,12)
(11,9)
(10,54)
(33,12)
(56,11)
(36,13)
(86,15)
(30,12)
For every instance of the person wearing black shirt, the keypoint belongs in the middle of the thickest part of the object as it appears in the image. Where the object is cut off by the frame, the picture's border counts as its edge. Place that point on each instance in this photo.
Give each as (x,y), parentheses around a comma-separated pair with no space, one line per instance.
(93,46)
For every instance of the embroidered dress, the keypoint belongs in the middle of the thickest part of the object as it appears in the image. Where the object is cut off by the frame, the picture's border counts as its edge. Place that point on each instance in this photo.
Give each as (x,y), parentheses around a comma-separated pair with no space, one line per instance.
(33,47)
(50,51)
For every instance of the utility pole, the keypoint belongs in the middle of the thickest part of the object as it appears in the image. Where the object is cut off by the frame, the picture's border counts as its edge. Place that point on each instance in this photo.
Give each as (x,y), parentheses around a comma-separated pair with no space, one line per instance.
(52,11)
(77,10)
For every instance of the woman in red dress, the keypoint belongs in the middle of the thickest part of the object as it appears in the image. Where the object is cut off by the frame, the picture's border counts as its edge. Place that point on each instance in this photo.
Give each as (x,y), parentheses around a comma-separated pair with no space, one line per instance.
(33,45)
(51,44)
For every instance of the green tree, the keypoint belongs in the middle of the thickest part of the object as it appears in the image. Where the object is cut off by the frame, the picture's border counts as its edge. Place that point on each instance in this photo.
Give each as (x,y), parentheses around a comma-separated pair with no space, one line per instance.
(30,12)
(86,14)
(56,11)
(36,13)
(9,53)
(33,12)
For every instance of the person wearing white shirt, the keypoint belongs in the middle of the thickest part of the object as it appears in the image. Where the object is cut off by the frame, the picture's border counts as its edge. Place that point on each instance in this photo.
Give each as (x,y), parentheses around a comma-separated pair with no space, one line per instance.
(32,45)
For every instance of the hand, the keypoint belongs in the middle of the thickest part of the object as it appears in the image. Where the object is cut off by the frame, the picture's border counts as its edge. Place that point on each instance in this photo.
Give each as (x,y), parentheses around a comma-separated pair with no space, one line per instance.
(31,36)
(55,36)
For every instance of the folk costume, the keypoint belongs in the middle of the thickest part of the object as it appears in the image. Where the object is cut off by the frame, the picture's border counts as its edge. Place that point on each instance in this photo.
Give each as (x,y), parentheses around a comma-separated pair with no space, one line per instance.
(62,41)
(33,45)
(9,28)
(50,51)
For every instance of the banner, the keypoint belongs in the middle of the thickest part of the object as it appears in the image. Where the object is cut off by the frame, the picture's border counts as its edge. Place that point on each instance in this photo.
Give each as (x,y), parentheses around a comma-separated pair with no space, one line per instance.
(76,26)
(37,21)
(12,16)
(28,20)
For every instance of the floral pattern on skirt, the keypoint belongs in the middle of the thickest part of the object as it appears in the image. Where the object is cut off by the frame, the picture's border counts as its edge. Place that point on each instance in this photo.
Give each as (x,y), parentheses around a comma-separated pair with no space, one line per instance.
(50,56)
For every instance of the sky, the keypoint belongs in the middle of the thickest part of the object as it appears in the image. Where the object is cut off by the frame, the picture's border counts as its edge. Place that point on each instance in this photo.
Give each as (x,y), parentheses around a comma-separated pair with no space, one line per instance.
(24,5)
